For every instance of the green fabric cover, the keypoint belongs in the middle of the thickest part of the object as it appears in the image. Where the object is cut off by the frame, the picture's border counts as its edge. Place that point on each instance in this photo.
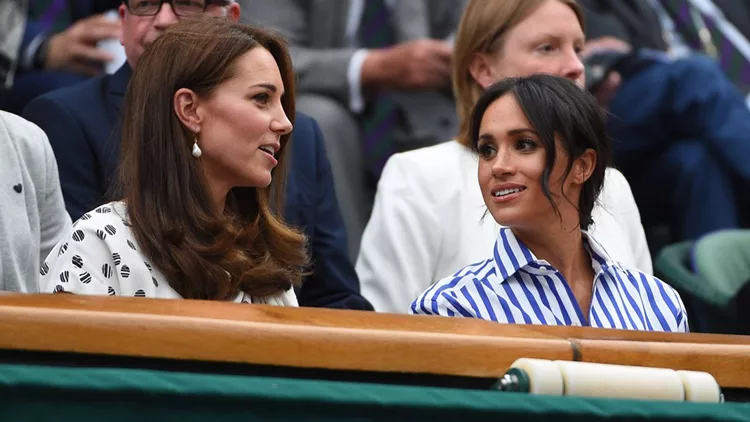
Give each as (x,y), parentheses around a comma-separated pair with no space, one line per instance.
(672,265)
(47,393)
(723,259)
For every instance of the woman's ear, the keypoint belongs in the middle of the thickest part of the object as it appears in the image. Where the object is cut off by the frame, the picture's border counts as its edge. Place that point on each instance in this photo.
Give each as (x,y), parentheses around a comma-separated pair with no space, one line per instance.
(482,69)
(186,107)
(233,12)
(584,166)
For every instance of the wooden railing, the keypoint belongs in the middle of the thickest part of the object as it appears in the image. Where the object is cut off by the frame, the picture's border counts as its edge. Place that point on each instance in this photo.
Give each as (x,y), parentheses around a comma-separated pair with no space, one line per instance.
(342,340)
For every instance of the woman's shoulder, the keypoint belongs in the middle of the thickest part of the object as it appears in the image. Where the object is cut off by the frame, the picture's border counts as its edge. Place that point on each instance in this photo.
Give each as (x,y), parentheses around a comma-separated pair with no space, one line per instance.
(436,156)
(99,256)
(466,275)
(646,283)
(445,291)
(103,230)
(26,141)
(104,221)
(434,166)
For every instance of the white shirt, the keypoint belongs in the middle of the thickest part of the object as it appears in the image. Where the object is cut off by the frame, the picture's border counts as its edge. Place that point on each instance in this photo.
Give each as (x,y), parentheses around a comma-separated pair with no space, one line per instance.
(514,286)
(427,223)
(101,257)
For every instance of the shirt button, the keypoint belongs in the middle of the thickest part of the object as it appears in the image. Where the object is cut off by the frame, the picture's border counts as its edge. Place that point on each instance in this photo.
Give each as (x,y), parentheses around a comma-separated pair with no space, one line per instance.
(576,324)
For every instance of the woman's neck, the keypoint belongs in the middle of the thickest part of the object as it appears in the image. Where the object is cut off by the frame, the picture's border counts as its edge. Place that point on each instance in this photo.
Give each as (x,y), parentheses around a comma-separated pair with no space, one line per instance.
(562,248)
(218,196)
(565,251)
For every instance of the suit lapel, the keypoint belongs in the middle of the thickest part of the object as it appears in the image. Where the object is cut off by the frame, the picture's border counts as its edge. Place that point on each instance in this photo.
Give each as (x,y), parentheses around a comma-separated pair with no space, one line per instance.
(116,86)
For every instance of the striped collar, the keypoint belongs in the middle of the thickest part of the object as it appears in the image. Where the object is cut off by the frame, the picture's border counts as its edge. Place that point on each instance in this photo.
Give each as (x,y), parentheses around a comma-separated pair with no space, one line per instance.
(511,255)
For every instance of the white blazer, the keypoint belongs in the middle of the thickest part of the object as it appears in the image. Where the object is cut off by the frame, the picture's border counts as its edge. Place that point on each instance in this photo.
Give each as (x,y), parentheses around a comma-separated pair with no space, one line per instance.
(427,224)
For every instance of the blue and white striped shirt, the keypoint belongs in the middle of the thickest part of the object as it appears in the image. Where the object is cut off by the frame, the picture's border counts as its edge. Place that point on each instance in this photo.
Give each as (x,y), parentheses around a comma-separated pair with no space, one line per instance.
(515,287)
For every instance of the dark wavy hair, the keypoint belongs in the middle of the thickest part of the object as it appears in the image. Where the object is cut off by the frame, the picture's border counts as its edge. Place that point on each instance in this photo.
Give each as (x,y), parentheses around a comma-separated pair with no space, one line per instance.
(556,106)
(205,254)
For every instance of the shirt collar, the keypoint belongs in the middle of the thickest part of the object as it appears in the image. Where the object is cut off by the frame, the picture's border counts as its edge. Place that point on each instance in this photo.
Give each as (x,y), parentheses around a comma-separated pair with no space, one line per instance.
(510,255)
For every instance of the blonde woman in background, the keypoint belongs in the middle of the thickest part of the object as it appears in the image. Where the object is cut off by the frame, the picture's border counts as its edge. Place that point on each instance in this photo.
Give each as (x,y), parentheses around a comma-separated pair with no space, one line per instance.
(427,220)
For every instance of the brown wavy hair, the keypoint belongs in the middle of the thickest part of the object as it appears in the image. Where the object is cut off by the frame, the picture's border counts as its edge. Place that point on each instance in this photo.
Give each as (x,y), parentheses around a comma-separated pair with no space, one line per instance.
(205,253)
(482,29)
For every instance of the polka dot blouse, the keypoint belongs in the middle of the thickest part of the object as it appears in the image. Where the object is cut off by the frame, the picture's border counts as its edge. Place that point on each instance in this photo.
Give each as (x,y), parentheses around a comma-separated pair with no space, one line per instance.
(101,257)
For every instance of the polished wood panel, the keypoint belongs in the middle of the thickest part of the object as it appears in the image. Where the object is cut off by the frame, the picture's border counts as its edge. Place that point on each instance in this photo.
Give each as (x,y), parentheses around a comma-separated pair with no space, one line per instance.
(266,343)
(728,363)
(350,319)
(342,340)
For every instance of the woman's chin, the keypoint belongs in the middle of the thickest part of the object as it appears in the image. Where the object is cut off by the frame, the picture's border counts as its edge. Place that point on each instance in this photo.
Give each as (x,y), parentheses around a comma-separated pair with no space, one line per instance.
(507,218)
(259,181)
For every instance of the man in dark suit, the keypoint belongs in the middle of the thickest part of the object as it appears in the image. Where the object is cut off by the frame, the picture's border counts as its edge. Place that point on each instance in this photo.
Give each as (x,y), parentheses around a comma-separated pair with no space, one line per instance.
(59,47)
(82,123)
(679,124)
(349,53)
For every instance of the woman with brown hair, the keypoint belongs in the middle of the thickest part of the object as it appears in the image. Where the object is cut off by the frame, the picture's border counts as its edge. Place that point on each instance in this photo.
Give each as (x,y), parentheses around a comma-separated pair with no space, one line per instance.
(427,220)
(206,126)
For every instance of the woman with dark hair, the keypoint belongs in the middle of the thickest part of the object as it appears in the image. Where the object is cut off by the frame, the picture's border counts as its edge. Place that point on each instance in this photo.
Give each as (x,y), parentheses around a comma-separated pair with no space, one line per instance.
(206,127)
(543,152)
(426,220)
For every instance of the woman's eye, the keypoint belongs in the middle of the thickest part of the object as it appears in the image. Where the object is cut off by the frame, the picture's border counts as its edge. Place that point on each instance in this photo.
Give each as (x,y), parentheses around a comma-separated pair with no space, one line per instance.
(526,145)
(261,98)
(486,151)
(546,48)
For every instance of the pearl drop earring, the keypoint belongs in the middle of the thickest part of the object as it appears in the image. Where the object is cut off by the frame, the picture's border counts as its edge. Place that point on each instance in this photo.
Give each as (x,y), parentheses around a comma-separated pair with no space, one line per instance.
(196,149)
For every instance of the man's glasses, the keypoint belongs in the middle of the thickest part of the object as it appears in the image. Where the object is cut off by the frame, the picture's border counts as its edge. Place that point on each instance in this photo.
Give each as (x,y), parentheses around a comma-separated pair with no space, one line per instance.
(180,7)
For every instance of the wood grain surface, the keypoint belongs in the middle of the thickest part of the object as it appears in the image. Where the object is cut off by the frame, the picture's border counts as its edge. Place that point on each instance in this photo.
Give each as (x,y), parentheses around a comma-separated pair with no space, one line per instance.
(344,340)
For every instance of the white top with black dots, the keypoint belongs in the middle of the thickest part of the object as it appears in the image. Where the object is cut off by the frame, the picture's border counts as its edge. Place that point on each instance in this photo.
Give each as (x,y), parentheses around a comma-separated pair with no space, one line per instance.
(101,257)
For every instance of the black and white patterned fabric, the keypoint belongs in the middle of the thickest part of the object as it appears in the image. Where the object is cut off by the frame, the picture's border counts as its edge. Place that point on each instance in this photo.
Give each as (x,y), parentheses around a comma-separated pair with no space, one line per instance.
(101,257)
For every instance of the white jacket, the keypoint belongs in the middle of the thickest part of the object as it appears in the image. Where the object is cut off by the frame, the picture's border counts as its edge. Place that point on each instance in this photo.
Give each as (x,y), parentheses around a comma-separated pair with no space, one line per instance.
(427,224)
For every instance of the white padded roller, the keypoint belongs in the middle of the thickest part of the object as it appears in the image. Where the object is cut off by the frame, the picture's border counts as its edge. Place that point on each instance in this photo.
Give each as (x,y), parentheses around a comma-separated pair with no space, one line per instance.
(617,381)
(544,376)
(700,387)
(620,381)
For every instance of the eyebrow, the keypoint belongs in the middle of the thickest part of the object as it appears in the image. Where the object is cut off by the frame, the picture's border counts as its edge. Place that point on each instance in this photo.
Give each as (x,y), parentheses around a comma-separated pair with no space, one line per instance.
(268,86)
(552,35)
(522,130)
(486,137)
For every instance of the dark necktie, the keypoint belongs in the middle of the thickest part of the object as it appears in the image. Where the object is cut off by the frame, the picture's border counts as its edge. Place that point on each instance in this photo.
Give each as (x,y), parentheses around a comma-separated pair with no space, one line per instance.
(701,32)
(380,116)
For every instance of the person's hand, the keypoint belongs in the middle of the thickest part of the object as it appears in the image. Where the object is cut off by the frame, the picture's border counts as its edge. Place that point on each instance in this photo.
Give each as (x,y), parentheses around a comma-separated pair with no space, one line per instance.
(606,90)
(604,44)
(422,64)
(75,48)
